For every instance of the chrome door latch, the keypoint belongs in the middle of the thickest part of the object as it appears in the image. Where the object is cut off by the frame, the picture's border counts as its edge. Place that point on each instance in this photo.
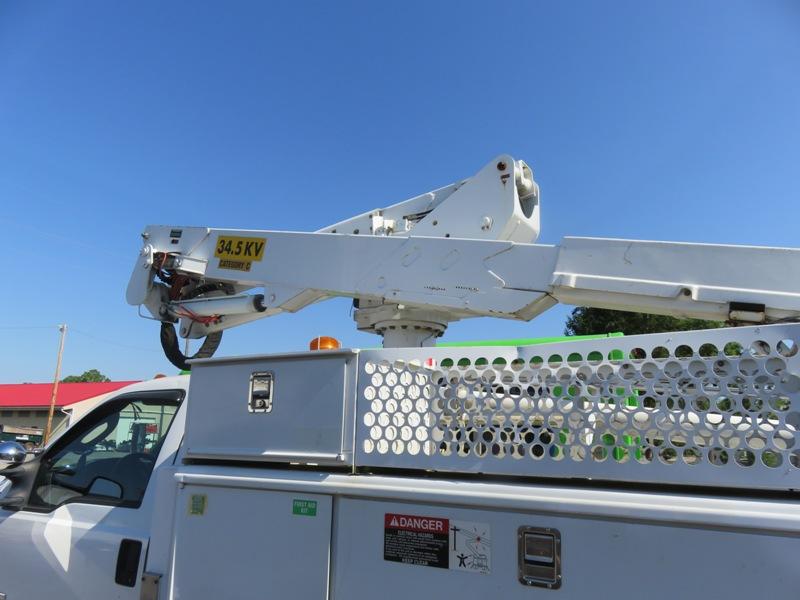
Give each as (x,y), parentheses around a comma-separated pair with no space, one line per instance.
(539,558)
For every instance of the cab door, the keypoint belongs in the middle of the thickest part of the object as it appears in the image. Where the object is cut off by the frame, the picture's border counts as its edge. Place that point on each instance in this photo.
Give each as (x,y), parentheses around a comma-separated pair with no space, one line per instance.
(75,524)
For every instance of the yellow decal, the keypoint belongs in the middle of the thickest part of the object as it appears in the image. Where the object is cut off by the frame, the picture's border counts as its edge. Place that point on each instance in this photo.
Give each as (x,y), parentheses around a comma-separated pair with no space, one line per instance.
(197,504)
(238,253)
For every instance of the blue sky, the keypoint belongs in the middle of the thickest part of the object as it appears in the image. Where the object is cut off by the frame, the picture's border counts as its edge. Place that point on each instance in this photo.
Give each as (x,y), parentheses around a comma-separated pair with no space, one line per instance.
(673,120)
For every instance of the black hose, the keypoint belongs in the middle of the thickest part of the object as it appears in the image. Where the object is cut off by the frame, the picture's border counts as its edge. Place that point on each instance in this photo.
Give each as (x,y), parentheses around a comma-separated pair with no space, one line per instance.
(170,344)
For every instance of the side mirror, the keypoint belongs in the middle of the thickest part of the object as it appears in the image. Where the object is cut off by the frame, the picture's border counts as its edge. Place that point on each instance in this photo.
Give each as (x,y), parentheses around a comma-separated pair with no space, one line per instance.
(18,474)
(12,454)
(102,486)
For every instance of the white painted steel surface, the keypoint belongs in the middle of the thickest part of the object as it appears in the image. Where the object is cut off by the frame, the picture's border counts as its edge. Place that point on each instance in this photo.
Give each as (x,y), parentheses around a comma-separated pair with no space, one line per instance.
(504,279)
(467,250)
(715,408)
(250,545)
(676,278)
(494,204)
(614,543)
(599,559)
(779,516)
(69,553)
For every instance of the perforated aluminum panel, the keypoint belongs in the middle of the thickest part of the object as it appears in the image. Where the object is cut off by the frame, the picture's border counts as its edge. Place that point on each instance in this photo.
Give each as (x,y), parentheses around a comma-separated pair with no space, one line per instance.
(717,407)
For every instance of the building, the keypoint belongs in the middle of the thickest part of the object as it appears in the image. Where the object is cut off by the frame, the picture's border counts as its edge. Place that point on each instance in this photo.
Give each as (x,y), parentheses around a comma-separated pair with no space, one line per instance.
(24,406)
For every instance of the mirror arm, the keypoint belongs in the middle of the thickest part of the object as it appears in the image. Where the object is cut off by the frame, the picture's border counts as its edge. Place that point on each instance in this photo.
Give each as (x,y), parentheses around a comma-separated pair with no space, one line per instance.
(13,502)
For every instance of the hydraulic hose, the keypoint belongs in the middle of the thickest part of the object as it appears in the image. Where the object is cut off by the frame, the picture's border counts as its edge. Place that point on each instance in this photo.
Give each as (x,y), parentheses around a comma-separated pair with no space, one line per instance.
(171,346)
(169,336)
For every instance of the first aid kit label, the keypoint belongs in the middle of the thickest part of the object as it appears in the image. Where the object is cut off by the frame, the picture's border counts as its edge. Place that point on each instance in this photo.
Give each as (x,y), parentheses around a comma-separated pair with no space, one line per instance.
(306,508)
(437,542)
(197,504)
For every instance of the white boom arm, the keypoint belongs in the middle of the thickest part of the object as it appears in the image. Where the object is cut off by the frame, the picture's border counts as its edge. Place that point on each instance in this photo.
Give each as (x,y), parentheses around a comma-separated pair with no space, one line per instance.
(461,251)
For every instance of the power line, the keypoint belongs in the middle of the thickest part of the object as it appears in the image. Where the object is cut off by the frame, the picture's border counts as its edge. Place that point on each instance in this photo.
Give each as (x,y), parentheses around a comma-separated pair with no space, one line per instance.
(79,332)
(110,342)
(29,326)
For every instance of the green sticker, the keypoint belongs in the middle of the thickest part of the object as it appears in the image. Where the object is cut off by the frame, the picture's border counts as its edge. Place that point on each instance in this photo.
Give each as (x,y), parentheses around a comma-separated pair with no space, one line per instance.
(307,508)
(197,504)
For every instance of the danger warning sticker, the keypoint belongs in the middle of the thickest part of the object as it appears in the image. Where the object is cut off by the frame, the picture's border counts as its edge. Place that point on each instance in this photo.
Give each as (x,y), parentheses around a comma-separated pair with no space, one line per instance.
(437,542)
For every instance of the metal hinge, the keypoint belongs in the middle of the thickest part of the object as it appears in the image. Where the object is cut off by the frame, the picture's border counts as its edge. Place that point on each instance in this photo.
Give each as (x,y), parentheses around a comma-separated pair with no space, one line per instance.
(747,312)
(150,583)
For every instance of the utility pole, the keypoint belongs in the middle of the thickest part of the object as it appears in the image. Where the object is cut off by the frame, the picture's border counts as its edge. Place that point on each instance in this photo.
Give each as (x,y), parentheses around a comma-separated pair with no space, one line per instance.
(49,430)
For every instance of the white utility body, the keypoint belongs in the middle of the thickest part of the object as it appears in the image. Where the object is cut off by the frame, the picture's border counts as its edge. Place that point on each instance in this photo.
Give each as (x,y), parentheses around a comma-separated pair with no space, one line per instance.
(664,465)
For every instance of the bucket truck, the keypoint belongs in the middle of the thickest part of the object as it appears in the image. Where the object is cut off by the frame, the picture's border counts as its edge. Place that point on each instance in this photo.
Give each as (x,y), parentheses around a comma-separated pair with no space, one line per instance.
(664,465)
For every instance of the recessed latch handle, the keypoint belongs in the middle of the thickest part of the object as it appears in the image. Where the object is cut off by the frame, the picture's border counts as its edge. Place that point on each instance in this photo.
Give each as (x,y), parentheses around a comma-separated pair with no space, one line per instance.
(539,557)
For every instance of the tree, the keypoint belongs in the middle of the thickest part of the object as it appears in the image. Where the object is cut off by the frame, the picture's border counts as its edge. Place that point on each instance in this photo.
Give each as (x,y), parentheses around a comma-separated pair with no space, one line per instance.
(588,321)
(90,376)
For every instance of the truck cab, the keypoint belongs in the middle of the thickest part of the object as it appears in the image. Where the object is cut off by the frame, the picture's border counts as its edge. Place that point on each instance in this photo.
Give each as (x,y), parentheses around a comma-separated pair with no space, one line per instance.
(79,516)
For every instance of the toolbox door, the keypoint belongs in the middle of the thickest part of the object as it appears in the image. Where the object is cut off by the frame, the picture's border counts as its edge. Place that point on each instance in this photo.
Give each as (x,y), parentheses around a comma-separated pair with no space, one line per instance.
(244,543)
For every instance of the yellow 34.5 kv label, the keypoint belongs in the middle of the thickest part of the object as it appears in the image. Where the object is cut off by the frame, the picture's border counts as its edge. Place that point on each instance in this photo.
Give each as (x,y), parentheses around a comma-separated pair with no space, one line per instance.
(238,253)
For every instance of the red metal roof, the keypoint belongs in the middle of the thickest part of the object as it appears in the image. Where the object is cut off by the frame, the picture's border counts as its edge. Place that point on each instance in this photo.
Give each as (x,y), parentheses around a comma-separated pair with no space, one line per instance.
(38,394)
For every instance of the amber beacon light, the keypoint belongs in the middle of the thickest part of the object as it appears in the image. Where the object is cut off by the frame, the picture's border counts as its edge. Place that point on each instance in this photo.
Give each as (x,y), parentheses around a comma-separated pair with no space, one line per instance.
(324,342)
